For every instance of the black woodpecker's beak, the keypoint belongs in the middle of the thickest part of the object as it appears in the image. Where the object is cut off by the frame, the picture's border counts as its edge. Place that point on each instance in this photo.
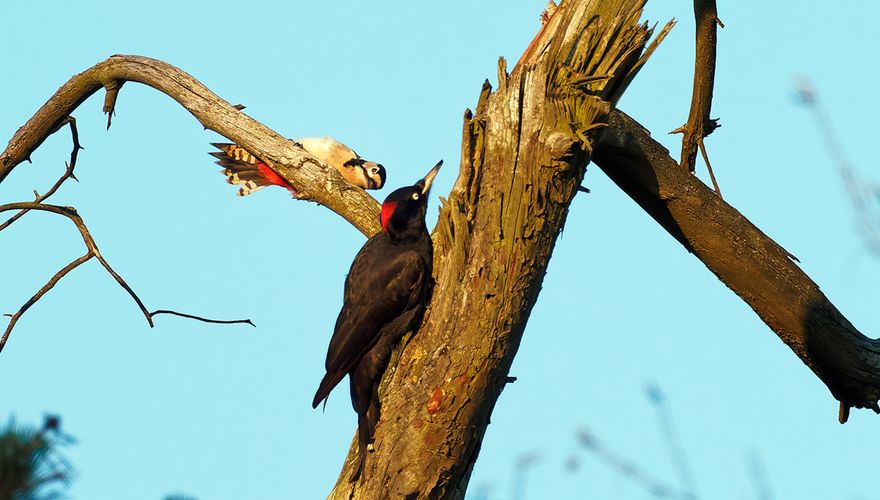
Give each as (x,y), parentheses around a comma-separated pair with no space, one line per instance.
(425,183)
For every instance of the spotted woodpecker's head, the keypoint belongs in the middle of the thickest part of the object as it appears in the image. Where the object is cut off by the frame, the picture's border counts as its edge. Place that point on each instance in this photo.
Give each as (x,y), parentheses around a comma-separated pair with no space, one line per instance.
(403,211)
(366,173)
(356,170)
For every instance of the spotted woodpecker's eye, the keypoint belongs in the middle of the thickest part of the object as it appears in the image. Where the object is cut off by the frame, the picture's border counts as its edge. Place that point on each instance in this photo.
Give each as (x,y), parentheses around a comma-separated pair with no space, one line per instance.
(415,195)
(374,170)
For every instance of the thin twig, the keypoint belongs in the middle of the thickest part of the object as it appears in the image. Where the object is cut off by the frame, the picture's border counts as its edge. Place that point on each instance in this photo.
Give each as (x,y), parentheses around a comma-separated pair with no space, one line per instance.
(863,193)
(699,125)
(664,415)
(709,168)
(42,291)
(68,172)
(628,468)
(123,284)
(206,320)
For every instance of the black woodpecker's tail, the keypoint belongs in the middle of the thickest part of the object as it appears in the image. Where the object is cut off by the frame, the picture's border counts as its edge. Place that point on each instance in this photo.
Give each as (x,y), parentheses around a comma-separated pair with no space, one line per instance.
(327,384)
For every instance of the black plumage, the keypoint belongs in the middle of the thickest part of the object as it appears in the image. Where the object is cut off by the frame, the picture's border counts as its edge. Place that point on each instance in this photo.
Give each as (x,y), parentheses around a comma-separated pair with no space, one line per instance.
(386,292)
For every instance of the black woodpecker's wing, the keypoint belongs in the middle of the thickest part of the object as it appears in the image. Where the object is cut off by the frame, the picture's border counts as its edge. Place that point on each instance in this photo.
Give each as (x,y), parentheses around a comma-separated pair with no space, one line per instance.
(383,283)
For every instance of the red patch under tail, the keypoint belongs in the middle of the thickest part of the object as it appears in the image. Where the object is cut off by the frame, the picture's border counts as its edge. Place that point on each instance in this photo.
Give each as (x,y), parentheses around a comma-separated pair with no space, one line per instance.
(246,170)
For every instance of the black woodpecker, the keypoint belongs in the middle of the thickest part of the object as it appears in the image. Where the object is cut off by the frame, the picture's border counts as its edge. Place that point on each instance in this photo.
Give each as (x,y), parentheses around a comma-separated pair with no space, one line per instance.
(386,292)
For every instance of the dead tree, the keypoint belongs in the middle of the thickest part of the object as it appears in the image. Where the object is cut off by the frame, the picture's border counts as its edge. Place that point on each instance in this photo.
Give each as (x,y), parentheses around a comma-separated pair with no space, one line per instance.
(525,148)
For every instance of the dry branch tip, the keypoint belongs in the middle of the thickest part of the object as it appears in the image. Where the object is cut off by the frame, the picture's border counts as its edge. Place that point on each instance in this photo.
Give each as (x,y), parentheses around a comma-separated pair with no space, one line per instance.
(843,413)
(110,97)
(205,320)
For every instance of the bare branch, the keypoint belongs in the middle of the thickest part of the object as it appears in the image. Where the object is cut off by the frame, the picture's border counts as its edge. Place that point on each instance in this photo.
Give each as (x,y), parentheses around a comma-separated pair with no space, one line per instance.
(699,125)
(754,266)
(314,181)
(68,172)
(93,251)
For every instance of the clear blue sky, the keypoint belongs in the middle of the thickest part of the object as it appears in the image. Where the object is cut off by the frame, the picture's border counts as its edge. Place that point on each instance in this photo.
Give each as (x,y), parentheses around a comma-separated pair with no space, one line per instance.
(222,412)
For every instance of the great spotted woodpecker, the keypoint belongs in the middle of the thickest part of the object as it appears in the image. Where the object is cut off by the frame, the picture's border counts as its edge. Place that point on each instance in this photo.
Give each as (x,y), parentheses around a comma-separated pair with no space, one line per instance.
(247,171)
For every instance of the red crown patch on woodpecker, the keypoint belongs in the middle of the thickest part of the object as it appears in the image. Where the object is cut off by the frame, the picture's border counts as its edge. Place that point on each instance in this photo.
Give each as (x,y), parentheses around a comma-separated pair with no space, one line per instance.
(387,209)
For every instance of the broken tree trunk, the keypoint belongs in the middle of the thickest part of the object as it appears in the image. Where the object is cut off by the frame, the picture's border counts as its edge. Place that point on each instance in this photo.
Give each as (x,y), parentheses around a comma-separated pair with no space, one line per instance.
(524,152)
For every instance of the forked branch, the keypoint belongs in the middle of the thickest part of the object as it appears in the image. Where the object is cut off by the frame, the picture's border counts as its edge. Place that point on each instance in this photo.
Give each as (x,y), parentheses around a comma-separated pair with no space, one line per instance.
(91,252)
(699,125)
(68,171)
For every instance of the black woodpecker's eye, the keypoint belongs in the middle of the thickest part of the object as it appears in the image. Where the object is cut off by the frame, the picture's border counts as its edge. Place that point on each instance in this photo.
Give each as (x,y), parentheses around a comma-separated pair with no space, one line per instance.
(415,195)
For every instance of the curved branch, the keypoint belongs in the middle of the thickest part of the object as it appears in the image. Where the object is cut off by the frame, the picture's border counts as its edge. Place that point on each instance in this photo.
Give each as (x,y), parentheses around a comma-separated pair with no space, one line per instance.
(748,261)
(314,181)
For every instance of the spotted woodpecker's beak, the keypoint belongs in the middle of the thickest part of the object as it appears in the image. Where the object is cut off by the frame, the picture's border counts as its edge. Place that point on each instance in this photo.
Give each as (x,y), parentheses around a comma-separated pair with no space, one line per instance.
(426,182)
(375,174)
